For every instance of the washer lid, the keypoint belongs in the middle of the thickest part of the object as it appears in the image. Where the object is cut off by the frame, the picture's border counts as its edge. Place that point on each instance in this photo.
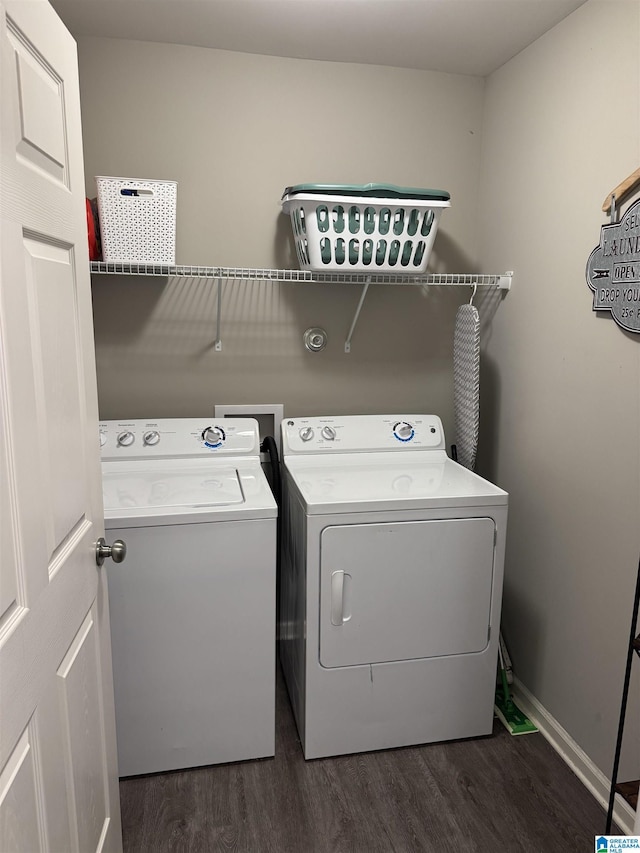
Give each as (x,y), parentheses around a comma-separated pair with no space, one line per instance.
(366,482)
(139,488)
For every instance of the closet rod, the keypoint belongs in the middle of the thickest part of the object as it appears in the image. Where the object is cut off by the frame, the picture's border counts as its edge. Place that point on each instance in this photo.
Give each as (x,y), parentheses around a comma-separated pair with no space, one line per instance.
(622,190)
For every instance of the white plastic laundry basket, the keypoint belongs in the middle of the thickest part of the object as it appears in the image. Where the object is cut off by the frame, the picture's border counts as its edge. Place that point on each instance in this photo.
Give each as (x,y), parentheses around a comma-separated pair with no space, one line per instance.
(137,219)
(373,228)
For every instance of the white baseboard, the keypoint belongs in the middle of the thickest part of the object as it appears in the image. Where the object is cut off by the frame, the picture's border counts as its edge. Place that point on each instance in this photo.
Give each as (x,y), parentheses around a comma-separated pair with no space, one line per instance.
(591,776)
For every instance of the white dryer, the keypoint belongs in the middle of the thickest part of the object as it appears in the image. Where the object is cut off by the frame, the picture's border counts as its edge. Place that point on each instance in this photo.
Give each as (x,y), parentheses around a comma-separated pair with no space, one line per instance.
(392,567)
(193,606)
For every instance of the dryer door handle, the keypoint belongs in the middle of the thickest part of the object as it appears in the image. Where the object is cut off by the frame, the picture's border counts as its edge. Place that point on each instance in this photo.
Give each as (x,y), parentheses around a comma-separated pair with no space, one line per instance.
(340,607)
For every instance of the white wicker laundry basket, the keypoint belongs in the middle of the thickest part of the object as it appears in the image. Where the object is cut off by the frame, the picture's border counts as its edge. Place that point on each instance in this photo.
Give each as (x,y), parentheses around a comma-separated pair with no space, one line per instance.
(137,219)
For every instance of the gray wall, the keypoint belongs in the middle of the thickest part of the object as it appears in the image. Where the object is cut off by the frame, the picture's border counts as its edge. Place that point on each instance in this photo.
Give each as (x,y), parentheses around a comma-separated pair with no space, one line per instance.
(561,384)
(234,130)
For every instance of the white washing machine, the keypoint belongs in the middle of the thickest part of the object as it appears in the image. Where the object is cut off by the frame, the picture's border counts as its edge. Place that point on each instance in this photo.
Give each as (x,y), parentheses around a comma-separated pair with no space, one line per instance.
(193,605)
(391,586)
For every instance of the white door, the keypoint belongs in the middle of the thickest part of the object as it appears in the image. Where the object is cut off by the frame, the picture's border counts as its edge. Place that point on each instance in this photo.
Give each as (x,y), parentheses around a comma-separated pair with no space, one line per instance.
(58,774)
(405,590)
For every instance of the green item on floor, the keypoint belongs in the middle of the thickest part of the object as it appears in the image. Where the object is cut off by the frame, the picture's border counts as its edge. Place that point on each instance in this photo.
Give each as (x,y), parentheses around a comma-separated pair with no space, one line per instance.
(507,711)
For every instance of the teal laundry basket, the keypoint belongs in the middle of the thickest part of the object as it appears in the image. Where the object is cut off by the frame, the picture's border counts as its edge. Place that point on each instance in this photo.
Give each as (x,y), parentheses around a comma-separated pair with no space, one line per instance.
(373,228)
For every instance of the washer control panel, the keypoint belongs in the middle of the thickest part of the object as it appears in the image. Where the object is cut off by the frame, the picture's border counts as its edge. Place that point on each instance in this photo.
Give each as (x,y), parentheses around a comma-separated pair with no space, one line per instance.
(354,433)
(178,437)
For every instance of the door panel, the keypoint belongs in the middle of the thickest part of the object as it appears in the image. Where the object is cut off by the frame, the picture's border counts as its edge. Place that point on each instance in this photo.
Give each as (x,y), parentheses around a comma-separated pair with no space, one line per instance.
(55,345)
(11,581)
(79,692)
(405,590)
(20,817)
(40,142)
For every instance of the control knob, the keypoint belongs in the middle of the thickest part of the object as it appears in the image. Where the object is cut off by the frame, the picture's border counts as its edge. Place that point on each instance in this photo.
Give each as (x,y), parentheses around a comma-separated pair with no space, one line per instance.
(126,439)
(306,433)
(403,431)
(329,433)
(213,436)
(151,437)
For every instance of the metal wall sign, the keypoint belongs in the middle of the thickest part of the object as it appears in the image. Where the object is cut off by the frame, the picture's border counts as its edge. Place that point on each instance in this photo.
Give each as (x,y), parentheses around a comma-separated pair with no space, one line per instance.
(613,270)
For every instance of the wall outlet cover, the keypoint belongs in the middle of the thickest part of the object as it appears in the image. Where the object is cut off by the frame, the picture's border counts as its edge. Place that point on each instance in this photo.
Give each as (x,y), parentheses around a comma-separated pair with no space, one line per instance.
(268,415)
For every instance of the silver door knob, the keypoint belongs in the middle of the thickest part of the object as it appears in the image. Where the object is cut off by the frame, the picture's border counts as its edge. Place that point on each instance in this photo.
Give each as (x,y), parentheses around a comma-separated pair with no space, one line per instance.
(117,551)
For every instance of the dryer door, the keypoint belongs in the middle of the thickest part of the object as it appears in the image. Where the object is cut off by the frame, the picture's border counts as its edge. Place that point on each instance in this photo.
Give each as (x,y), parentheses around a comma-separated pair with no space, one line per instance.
(413,589)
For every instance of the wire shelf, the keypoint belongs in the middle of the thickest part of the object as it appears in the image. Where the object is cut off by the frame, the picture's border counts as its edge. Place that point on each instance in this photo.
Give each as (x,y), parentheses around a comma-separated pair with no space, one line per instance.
(221,274)
(501,281)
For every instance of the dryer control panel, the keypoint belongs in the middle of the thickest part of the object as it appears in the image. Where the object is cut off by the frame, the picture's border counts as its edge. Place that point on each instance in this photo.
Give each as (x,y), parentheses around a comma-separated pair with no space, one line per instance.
(355,433)
(179,437)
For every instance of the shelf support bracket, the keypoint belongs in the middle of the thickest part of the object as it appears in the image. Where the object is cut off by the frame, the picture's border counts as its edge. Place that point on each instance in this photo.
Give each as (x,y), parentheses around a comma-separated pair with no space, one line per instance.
(347,343)
(218,343)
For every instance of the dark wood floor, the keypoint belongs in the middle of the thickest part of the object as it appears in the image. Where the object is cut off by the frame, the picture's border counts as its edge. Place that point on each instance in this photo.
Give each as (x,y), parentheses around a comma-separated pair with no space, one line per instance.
(500,793)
